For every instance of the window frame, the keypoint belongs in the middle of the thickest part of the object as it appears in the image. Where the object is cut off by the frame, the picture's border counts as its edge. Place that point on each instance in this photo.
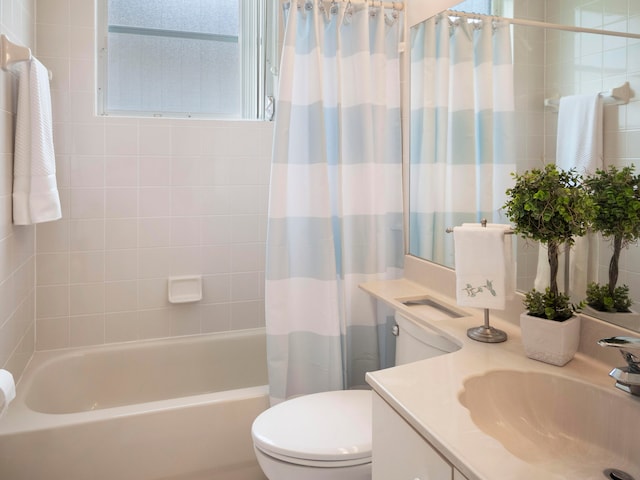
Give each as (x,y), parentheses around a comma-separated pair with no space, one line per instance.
(258,64)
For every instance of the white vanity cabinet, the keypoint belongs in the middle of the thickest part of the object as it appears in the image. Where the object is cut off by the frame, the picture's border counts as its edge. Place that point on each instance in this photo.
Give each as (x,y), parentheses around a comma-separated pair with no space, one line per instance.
(400,453)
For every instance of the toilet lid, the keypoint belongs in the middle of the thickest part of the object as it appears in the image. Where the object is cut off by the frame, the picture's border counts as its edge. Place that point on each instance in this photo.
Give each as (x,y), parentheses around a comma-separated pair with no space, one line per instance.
(328,426)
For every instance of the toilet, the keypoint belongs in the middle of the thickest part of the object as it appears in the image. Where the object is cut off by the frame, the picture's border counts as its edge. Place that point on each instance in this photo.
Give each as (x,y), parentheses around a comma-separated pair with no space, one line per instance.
(327,436)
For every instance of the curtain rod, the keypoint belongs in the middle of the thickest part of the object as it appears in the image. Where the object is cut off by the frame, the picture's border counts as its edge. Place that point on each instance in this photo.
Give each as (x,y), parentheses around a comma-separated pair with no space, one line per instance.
(536,23)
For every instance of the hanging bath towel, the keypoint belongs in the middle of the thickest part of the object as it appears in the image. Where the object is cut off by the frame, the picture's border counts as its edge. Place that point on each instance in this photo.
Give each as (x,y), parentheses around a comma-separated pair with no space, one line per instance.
(35,191)
(580,134)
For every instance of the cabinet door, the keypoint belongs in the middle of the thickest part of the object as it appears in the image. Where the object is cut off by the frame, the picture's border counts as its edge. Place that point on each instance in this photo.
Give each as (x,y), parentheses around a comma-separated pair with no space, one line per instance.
(399,452)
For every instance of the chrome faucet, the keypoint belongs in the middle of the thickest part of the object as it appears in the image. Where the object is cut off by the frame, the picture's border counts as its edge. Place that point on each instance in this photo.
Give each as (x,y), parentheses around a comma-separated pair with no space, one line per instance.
(627,378)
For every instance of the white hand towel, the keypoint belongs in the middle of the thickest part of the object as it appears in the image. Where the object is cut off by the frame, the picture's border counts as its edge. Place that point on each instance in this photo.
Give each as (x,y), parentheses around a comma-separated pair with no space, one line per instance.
(35,191)
(485,270)
(7,390)
(580,134)
(579,145)
(509,257)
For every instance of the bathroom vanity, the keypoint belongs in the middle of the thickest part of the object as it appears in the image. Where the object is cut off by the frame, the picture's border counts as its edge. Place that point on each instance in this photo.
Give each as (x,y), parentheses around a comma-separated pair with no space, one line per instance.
(487,412)
(401,452)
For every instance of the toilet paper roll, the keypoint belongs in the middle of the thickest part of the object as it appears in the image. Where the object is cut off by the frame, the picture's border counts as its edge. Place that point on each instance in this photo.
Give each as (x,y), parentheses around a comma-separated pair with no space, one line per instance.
(7,390)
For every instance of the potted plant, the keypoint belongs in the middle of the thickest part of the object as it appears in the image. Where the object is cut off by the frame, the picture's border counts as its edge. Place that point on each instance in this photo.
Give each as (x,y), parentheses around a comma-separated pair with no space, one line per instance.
(616,198)
(550,206)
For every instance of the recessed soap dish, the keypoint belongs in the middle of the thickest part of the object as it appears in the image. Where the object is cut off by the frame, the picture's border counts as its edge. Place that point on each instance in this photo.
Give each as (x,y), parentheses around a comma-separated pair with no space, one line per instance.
(185,289)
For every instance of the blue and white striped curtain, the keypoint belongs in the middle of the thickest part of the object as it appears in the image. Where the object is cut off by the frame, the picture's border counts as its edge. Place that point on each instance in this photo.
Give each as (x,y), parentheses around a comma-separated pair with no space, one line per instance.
(462,129)
(335,209)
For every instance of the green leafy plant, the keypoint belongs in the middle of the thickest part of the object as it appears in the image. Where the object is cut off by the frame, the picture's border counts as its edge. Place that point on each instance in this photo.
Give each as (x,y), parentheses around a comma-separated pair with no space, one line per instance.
(547,305)
(616,198)
(550,206)
(602,299)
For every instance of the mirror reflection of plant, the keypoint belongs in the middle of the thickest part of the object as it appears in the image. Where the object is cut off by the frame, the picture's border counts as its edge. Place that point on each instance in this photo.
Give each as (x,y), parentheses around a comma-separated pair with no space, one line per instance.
(616,197)
(600,298)
(550,206)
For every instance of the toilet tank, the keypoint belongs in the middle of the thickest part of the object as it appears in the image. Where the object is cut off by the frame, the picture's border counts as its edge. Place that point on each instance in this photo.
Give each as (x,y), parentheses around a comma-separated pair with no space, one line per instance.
(416,341)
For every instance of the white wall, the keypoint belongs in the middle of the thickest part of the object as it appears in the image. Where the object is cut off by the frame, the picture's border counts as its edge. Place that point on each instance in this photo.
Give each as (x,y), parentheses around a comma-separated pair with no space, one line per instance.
(143,199)
(17,261)
(147,198)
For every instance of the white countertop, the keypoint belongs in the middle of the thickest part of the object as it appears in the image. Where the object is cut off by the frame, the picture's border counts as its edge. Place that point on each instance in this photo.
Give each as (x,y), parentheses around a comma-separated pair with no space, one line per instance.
(426,393)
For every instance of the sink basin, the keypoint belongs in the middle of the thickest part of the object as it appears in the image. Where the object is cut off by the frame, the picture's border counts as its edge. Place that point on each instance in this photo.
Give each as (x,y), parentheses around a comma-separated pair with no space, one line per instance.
(564,426)
(435,310)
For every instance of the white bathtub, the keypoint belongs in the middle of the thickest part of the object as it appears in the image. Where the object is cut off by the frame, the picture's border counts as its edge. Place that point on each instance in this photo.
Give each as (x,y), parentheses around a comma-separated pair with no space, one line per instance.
(166,409)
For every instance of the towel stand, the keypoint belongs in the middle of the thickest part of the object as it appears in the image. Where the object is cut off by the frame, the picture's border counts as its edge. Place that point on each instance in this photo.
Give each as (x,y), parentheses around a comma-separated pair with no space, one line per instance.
(11,53)
(486,333)
(616,96)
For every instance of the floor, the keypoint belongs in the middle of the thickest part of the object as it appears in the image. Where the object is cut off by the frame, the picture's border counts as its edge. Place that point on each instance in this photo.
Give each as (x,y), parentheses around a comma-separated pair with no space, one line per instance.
(248,471)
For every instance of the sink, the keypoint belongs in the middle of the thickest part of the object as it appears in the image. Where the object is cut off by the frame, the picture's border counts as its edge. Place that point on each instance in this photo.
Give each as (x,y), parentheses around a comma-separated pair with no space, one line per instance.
(564,426)
(435,310)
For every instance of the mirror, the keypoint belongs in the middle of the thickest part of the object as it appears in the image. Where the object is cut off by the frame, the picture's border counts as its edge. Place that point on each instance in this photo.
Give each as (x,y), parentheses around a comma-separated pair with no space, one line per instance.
(547,63)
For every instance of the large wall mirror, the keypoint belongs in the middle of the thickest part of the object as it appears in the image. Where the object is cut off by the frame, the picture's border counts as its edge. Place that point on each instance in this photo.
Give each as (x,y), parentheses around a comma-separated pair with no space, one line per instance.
(472,124)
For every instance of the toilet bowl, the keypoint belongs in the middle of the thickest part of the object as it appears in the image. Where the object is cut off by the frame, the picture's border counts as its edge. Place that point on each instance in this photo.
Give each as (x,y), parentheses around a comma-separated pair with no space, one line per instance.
(322,436)
(327,436)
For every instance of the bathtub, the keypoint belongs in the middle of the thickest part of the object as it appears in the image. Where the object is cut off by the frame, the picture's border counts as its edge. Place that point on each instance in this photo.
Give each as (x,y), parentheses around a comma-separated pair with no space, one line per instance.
(175,409)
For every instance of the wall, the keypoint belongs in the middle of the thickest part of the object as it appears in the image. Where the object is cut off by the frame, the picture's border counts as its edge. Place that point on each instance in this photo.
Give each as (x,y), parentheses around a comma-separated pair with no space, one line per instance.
(529,88)
(17,261)
(143,199)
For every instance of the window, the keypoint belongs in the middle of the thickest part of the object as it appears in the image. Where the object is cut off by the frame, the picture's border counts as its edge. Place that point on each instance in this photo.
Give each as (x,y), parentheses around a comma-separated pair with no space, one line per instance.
(185,57)
(474,6)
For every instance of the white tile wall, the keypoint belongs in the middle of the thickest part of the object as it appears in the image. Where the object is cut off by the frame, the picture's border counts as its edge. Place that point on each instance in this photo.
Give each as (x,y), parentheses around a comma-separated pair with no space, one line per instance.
(17,244)
(529,57)
(143,199)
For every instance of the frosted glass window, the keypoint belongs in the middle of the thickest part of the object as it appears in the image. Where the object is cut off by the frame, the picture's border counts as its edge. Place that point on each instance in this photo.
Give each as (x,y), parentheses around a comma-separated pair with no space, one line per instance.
(179,57)
(474,6)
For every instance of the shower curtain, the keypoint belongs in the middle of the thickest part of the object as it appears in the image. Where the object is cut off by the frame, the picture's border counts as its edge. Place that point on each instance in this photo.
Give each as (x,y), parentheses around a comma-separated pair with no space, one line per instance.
(335,205)
(462,129)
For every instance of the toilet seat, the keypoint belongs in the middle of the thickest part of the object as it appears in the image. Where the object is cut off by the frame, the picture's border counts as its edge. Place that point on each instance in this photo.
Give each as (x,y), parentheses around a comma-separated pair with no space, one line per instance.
(328,429)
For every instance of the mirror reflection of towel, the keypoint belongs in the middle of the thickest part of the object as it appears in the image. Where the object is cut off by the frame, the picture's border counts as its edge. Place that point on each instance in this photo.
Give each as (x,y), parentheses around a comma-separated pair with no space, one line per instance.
(580,146)
(485,270)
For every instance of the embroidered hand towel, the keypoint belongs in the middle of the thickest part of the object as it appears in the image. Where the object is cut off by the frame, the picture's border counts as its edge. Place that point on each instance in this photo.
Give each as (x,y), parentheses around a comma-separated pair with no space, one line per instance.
(484,266)
(35,191)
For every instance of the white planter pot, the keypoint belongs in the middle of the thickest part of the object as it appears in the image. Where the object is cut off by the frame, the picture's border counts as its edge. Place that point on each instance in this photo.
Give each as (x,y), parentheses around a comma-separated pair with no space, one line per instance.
(548,341)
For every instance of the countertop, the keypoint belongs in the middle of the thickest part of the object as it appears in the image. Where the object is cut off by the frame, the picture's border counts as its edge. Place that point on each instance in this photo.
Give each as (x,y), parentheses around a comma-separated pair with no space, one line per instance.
(426,393)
